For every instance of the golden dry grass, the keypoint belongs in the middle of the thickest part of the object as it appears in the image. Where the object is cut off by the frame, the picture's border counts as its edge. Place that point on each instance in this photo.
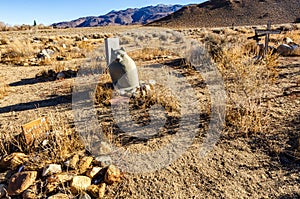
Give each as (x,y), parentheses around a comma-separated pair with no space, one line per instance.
(246,81)
(3,88)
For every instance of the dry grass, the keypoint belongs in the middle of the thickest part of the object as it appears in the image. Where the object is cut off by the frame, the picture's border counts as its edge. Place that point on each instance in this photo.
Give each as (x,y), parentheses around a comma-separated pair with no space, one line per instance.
(246,81)
(3,88)
(147,54)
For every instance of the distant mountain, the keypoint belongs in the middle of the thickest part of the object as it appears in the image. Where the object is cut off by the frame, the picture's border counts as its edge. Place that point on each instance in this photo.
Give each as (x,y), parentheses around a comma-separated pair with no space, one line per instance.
(123,17)
(217,13)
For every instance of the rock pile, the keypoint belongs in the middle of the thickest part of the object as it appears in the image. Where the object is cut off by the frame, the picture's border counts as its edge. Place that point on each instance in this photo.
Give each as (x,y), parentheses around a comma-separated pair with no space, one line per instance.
(79,176)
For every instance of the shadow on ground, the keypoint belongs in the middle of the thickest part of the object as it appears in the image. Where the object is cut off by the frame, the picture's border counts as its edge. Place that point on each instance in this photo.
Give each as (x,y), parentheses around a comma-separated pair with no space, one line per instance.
(64,99)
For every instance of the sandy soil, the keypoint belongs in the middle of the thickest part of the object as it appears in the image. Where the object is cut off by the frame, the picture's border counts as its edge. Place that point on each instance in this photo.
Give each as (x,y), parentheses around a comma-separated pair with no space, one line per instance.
(263,165)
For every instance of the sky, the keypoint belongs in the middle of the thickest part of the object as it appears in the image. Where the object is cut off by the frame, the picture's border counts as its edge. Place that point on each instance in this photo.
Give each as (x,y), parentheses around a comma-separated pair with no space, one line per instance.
(18,12)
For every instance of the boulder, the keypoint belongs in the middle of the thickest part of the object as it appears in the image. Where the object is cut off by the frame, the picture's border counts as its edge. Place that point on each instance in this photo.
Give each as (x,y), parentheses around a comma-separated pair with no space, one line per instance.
(19,182)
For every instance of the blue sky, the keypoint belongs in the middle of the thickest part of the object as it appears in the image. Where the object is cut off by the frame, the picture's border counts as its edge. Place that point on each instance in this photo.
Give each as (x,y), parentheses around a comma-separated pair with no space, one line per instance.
(18,12)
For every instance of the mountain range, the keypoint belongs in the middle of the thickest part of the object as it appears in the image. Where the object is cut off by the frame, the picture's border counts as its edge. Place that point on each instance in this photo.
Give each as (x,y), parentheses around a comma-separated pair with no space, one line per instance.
(123,17)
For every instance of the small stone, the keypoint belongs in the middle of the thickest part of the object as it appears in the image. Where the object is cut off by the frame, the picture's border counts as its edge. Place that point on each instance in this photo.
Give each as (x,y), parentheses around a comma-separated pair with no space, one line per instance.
(13,160)
(59,196)
(4,177)
(102,188)
(3,190)
(84,195)
(57,179)
(84,164)
(72,163)
(60,75)
(93,190)
(80,183)
(30,193)
(59,58)
(103,161)
(97,191)
(112,175)
(52,169)
(19,182)
(92,172)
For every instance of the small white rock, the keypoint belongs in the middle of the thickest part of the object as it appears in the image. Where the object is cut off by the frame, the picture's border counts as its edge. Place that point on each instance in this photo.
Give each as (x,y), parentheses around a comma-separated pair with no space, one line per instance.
(52,169)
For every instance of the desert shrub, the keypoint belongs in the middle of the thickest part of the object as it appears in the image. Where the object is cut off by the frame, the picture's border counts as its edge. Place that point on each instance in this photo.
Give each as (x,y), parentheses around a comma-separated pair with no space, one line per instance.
(18,50)
(246,82)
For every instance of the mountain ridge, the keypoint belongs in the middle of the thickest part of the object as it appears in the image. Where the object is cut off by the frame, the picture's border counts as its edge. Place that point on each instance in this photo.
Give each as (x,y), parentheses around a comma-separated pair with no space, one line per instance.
(128,16)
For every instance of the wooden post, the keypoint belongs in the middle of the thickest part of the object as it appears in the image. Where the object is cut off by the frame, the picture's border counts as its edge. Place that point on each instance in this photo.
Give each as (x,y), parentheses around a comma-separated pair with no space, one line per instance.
(267,39)
(266,33)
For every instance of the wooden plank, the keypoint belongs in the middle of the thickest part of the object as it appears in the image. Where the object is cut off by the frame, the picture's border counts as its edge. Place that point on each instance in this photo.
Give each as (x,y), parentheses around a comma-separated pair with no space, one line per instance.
(263,32)
(35,129)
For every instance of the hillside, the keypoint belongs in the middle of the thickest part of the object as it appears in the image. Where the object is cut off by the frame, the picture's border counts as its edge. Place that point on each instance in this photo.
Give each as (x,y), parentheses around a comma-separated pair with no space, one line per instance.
(216,13)
(123,17)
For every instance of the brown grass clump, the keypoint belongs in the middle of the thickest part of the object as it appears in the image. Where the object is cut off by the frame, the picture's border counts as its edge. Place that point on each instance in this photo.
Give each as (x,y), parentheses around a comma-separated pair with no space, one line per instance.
(3,88)
(147,54)
(54,146)
(246,82)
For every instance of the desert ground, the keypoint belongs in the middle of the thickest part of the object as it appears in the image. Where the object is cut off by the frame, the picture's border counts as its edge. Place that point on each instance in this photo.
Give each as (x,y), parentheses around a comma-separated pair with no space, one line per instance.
(257,153)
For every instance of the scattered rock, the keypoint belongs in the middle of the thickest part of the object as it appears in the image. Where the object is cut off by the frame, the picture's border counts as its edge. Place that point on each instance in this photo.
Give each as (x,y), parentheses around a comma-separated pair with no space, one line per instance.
(72,163)
(80,183)
(13,160)
(52,169)
(284,50)
(59,196)
(84,164)
(93,190)
(93,172)
(84,195)
(103,161)
(60,75)
(5,176)
(30,193)
(112,175)
(60,58)
(19,182)
(55,180)
(102,188)
(45,53)
(97,191)
(3,190)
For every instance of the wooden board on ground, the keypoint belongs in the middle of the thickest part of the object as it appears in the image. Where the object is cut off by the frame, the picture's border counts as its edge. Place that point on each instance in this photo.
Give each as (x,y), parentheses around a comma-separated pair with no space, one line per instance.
(35,129)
